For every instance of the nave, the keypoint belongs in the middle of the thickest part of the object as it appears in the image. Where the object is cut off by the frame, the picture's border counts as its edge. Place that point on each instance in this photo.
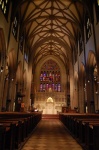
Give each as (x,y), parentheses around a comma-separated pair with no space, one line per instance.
(50,134)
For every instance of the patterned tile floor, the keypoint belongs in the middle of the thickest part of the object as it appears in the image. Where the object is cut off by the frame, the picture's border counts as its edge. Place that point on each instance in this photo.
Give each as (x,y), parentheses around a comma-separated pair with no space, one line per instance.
(50,134)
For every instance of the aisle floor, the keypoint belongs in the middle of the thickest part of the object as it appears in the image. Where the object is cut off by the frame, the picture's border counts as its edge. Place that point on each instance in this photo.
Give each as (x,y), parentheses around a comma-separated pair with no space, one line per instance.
(50,134)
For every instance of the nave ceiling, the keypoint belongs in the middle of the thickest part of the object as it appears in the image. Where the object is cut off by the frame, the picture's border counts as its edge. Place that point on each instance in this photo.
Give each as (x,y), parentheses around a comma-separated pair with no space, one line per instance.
(51,27)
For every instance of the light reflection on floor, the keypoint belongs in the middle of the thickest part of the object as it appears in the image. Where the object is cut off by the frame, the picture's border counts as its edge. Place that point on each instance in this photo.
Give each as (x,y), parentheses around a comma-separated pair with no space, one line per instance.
(50,134)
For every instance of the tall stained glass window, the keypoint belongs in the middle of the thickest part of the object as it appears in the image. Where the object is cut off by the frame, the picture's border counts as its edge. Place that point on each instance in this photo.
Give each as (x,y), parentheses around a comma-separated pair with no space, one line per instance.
(88,27)
(15,26)
(80,43)
(50,77)
(4,5)
(97,9)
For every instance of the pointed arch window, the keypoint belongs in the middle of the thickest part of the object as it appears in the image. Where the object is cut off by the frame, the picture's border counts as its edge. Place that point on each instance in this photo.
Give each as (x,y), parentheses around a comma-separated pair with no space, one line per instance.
(97,9)
(15,26)
(50,77)
(21,43)
(88,27)
(26,55)
(80,43)
(4,5)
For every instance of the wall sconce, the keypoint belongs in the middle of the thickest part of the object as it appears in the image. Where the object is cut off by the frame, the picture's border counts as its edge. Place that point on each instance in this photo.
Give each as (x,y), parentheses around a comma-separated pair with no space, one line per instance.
(88,81)
(1,68)
(96,92)
(95,78)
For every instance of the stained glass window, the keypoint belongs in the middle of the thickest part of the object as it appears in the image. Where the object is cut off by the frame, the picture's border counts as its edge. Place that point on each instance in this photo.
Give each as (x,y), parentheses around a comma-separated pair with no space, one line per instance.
(21,42)
(50,77)
(88,26)
(4,5)
(80,43)
(97,9)
(98,2)
(26,56)
(15,26)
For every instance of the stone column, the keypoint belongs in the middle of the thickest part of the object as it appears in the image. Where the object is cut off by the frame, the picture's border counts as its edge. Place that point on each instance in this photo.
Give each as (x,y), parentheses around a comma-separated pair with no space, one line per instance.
(71,87)
(2,76)
(90,92)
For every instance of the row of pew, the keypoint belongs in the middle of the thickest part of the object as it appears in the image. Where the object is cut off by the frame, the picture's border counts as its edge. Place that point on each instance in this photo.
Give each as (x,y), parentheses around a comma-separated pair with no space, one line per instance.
(83,127)
(16,127)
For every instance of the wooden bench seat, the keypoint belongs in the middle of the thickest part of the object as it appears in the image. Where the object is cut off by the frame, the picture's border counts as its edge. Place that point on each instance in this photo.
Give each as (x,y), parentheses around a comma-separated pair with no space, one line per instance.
(23,122)
(78,126)
(18,127)
(2,136)
(9,137)
(84,128)
(92,136)
(21,130)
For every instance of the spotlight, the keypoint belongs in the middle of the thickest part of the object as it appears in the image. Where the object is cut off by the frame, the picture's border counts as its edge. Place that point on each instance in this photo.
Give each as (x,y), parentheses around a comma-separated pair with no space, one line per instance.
(1,69)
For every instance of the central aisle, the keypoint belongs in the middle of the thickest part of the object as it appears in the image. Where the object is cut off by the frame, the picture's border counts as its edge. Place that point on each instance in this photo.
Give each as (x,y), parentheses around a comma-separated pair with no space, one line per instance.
(50,134)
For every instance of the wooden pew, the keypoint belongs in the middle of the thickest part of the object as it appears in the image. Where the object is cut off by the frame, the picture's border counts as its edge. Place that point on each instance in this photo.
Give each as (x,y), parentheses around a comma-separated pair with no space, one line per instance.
(79,126)
(84,128)
(18,127)
(18,131)
(9,135)
(92,136)
(2,137)
(22,125)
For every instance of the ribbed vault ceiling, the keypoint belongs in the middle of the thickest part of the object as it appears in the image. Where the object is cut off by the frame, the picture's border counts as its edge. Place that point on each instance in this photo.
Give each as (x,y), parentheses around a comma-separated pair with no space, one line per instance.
(51,27)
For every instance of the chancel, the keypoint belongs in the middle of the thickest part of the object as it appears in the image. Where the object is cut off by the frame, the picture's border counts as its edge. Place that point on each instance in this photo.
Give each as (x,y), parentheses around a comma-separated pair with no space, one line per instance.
(49,74)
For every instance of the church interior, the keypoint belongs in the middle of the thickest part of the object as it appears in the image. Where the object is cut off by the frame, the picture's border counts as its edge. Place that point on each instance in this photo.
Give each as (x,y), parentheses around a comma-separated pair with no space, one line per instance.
(49,68)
